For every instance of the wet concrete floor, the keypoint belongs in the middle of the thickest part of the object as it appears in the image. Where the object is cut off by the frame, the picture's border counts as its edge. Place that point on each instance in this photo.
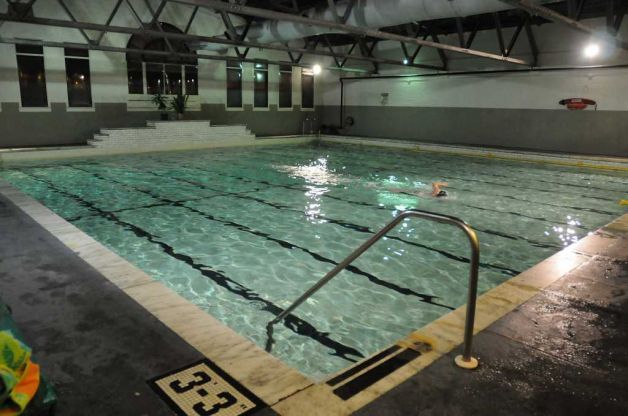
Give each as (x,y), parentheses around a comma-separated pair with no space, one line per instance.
(564,352)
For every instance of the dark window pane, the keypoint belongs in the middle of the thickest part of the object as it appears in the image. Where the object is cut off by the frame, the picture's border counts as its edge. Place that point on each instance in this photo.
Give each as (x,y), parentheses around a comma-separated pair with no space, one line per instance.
(78,80)
(174,83)
(234,64)
(191,80)
(135,77)
(307,91)
(154,78)
(260,88)
(32,81)
(234,87)
(285,89)
(285,68)
(76,52)
(39,50)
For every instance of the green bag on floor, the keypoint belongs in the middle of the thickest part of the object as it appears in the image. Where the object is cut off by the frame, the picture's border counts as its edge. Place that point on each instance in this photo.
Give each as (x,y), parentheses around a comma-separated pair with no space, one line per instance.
(45,398)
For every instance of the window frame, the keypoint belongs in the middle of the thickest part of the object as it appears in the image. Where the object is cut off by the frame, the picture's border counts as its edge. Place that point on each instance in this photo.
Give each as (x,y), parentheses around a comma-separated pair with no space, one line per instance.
(71,54)
(285,69)
(34,51)
(164,77)
(185,78)
(234,65)
(306,72)
(261,68)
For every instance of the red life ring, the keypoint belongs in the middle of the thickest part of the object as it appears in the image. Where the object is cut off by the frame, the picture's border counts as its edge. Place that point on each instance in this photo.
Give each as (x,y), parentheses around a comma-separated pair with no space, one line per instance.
(577,103)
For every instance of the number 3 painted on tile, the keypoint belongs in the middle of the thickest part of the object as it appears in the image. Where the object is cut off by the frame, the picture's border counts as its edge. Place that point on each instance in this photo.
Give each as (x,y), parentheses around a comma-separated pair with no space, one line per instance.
(202,378)
(199,408)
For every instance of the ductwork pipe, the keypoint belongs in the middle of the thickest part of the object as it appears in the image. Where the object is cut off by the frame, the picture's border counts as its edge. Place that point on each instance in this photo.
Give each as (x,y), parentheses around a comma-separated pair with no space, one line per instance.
(371,14)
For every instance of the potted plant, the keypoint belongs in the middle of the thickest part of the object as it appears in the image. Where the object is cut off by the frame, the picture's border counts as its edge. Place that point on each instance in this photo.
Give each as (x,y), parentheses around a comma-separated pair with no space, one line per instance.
(160,101)
(178,103)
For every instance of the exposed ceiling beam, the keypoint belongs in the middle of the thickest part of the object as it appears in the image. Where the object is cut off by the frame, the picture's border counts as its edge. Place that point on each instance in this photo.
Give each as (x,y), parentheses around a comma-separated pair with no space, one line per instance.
(556,17)
(194,38)
(94,47)
(341,27)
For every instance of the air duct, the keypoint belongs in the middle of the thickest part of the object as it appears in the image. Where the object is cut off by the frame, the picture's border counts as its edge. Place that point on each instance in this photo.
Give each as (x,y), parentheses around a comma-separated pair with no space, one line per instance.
(372,14)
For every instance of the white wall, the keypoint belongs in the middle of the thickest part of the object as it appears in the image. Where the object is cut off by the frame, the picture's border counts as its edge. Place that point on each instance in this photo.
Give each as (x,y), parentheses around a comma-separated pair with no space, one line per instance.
(537,90)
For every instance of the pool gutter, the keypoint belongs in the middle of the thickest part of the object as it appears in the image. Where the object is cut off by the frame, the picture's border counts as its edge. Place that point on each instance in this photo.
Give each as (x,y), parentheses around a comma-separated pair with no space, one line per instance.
(8,156)
(572,160)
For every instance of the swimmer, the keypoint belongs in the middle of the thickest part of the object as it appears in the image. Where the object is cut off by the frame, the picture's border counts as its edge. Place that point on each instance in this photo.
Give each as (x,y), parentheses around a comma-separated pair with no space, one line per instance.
(437,192)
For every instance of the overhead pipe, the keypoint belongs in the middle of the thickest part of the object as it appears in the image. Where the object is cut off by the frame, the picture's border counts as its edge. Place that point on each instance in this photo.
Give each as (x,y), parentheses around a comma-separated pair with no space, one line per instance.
(197,38)
(302,26)
(555,17)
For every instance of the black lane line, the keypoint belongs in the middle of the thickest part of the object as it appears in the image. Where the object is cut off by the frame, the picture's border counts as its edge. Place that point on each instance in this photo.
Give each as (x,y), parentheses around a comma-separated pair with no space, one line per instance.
(513,169)
(366,204)
(431,299)
(292,322)
(532,242)
(432,163)
(483,230)
(159,204)
(516,185)
(360,228)
(594,210)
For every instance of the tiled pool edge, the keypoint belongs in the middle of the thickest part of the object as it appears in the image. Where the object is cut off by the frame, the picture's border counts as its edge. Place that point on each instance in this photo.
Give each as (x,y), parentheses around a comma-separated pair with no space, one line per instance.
(18,155)
(581,161)
(280,386)
(263,374)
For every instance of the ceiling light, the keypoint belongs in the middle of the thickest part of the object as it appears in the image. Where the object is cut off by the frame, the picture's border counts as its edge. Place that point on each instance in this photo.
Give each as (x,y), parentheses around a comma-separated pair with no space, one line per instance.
(591,50)
(316,69)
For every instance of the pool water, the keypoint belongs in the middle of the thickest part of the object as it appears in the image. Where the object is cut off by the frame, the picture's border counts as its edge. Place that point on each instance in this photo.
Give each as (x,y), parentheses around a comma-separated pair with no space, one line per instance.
(243,232)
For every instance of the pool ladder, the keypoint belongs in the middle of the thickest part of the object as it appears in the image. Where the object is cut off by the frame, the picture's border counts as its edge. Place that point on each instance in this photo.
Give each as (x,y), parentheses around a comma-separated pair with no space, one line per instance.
(465,360)
(314,128)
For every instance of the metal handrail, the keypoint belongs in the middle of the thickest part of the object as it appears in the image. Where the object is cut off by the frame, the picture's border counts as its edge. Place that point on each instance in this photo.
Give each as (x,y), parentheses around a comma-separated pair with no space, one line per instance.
(465,360)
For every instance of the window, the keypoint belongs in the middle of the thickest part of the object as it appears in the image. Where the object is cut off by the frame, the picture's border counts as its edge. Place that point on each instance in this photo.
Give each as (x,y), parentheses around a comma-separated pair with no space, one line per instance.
(154,78)
(191,80)
(173,79)
(135,76)
(260,85)
(78,77)
(307,89)
(234,84)
(32,75)
(168,79)
(285,86)
(151,63)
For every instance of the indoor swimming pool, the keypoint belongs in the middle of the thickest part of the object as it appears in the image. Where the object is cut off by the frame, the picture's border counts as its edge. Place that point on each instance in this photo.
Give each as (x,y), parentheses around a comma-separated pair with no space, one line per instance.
(243,232)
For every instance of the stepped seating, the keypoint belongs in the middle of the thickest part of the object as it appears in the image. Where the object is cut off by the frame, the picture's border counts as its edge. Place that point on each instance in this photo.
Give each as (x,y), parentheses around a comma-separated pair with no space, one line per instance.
(171,135)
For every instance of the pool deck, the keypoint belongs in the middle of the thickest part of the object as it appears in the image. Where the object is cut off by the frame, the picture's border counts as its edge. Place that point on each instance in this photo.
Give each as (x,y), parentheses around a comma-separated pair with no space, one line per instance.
(552,340)
(96,345)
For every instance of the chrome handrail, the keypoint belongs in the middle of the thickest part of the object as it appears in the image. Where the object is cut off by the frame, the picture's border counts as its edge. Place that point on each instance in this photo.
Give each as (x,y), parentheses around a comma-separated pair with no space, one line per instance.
(465,360)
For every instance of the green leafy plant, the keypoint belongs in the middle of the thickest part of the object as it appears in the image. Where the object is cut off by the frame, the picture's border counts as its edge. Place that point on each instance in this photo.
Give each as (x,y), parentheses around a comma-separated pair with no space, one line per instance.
(178,103)
(161,102)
